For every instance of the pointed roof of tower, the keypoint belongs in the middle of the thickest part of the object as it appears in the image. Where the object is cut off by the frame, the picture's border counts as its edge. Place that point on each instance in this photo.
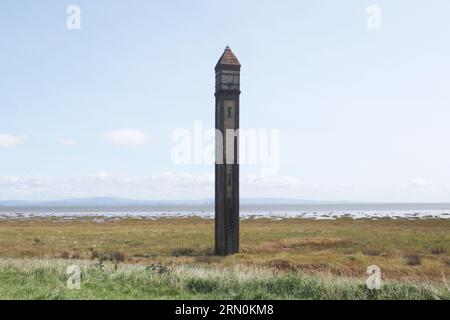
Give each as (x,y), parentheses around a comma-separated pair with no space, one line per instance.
(228,59)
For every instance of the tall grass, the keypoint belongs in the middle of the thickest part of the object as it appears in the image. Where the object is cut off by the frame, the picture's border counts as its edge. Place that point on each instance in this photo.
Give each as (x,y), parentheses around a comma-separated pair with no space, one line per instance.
(344,247)
(46,279)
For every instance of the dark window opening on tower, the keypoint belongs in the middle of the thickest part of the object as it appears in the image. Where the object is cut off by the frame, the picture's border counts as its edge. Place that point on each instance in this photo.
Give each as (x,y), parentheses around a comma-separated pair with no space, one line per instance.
(229,112)
(229,179)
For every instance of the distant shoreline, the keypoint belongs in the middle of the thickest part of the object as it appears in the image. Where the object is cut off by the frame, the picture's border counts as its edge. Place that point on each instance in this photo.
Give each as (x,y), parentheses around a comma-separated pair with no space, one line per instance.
(106,202)
(315,212)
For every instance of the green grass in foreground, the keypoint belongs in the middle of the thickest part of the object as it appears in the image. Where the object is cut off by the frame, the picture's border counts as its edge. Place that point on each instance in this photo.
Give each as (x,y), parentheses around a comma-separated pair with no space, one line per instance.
(46,279)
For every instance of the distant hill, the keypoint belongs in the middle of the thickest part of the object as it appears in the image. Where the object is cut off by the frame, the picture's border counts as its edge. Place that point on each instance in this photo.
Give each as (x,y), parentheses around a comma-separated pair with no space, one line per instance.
(109,201)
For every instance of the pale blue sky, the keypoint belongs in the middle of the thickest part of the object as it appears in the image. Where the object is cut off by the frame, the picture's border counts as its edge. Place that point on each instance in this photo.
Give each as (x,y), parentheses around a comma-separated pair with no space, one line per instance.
(363,115)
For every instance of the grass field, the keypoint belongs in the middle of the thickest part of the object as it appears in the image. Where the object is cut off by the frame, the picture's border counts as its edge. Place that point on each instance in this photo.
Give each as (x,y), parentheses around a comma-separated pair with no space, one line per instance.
(172,258)
(46,279)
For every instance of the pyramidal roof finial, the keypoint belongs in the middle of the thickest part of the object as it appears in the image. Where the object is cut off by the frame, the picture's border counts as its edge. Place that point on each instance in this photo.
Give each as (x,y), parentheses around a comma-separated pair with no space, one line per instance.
(228,59)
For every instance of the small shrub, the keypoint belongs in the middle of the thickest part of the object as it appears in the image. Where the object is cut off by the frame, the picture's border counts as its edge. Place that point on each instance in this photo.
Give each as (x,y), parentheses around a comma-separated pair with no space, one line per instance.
(177,252)
(156,268)
(438,250)
(75,256)
(352,258)
(94,253)
(283,265)
(115,256)
(413,260)
(372,252)
(64,255)
(68,255)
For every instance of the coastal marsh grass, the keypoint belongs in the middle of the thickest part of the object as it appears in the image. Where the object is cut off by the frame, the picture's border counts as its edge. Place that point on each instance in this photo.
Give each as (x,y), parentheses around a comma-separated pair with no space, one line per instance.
(46,279)
(310,250)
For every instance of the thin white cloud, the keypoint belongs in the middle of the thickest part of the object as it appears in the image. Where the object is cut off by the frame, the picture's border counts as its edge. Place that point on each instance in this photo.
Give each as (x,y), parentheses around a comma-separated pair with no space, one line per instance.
(18,186)
(182,185)
(266,181)
(417,185)
(126,138)
(9,140)
(163,185)
(102,175)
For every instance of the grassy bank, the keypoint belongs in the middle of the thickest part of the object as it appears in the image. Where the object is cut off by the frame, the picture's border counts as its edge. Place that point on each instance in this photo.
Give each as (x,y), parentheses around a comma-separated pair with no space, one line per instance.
(46,279)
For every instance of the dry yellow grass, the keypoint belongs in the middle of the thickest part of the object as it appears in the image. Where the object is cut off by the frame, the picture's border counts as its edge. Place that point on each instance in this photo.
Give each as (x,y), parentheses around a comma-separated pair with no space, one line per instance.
(342,247)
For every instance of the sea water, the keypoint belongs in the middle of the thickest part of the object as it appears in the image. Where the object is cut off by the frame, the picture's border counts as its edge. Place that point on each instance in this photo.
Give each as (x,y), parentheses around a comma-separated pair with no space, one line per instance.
(307,211)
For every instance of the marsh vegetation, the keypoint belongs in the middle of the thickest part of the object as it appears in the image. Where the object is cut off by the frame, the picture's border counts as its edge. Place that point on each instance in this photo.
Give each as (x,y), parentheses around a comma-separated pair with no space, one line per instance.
(172,258)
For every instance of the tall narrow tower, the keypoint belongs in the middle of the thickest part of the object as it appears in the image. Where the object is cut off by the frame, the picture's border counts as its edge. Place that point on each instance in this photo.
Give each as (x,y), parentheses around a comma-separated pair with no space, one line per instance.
(227,144)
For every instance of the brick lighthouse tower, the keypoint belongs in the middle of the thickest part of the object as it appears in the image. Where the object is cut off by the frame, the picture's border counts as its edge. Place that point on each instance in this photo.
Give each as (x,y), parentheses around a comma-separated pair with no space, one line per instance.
(227,144)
